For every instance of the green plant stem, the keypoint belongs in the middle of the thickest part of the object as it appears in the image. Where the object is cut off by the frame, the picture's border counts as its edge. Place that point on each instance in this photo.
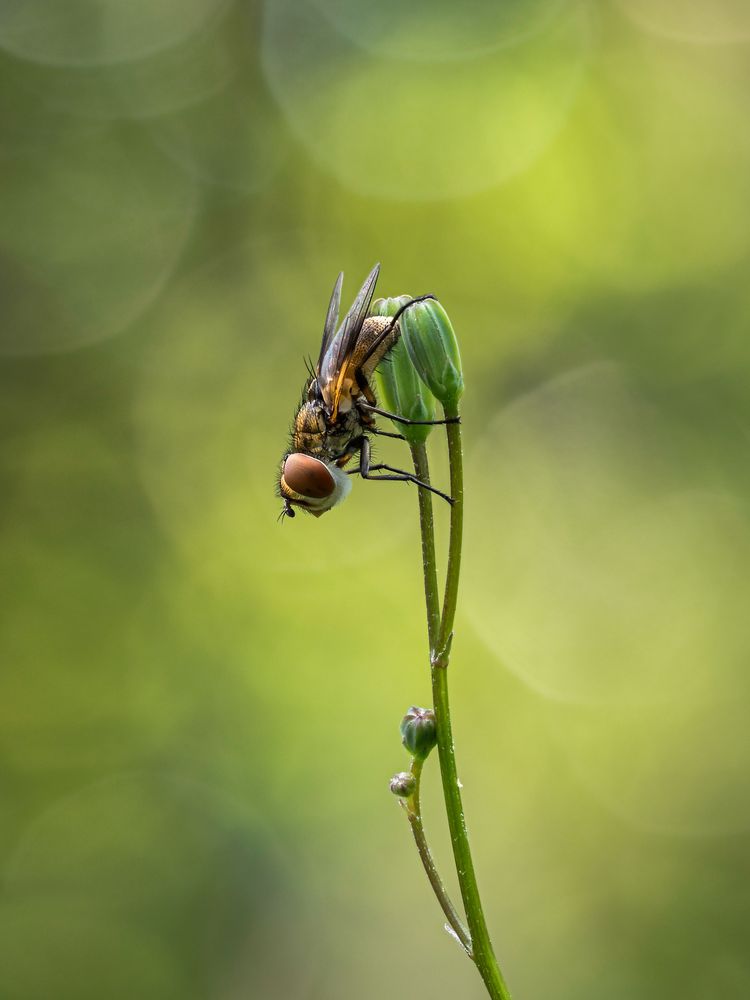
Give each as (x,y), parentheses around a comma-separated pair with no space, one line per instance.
(414,812)
(450,598)
(482,951)
(429,562)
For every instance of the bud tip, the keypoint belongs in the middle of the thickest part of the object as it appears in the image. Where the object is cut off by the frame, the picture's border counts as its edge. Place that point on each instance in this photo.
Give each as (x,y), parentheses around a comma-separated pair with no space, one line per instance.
(403,784)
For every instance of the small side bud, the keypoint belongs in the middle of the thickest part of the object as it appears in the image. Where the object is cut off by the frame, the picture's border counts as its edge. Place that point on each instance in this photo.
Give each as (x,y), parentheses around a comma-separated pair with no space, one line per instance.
(403,784)
(429,338)
(401,389)
(419,731)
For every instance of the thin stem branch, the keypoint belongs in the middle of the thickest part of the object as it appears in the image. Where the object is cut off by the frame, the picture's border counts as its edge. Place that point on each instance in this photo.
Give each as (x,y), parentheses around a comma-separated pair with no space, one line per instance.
(414,812)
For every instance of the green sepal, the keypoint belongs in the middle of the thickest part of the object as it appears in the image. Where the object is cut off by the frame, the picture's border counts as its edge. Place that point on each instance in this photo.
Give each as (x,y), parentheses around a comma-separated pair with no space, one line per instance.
(401,389)
(431,343)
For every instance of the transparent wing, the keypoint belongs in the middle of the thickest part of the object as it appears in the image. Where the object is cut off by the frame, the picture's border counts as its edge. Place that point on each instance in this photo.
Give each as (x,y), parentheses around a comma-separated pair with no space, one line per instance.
(335,362)
(332,318)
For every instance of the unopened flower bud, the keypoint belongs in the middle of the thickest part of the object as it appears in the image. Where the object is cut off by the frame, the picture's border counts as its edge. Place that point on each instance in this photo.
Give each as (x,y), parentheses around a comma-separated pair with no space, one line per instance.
(429,338)
(389,306)
(419,731)
(401,389)
(403,784)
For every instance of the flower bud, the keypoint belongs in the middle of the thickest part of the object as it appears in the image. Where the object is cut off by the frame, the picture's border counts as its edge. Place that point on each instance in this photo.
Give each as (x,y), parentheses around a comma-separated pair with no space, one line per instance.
(429,338)
(401,389)
(403,784)
(390,306)
(419,731)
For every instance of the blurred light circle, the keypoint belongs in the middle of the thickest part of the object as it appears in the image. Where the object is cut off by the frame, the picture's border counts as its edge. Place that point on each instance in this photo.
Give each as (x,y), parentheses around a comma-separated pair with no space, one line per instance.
(708,21)
(91,230)
(141,88)
(407,129)
(233,139)
(27,121)
(436,29)
(91,32)
(590,573)
(592,209)
(685,111)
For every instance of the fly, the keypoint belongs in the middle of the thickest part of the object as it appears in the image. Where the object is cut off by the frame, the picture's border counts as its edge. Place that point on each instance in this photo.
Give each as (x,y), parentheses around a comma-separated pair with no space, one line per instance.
(338,409)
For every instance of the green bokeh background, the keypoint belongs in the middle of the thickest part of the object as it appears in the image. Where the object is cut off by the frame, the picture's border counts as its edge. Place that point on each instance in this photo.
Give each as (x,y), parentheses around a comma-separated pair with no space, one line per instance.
(199,707)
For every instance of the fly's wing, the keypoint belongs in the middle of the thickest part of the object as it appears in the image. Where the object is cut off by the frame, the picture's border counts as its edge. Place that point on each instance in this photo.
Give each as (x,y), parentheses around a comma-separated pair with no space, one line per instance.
(332,318)
(335,363)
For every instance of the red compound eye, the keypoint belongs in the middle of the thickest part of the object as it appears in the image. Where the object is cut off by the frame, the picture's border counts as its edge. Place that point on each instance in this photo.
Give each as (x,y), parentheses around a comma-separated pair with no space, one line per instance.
(308,476)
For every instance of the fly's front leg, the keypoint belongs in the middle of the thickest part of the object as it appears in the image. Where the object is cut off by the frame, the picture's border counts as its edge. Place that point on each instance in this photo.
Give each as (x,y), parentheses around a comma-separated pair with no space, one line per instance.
(405,420)
(398,475)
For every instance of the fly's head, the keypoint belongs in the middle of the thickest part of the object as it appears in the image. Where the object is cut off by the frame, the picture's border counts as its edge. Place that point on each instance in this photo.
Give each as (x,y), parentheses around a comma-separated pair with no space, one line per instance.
(307,478)
(311,484)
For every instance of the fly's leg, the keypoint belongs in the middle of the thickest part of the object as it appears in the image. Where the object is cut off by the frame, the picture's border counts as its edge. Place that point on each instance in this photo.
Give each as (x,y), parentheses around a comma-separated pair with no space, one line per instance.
(403,477)
(385,434)
(405,420)
(399,475)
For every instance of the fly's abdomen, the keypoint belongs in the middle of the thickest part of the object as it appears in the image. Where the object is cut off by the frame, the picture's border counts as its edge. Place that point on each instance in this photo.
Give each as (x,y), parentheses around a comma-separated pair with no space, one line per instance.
(371,339)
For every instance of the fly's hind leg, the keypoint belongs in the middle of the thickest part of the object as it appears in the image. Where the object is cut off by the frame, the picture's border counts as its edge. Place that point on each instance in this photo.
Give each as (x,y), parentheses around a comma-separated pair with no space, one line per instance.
(397,475)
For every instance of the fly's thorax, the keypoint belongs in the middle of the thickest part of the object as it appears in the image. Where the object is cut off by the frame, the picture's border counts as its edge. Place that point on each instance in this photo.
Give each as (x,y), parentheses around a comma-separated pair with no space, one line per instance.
(310,428)
(312,483)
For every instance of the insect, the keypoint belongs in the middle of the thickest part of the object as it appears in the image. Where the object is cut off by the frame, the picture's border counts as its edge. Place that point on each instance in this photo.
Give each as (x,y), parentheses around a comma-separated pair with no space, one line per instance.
(338,409)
